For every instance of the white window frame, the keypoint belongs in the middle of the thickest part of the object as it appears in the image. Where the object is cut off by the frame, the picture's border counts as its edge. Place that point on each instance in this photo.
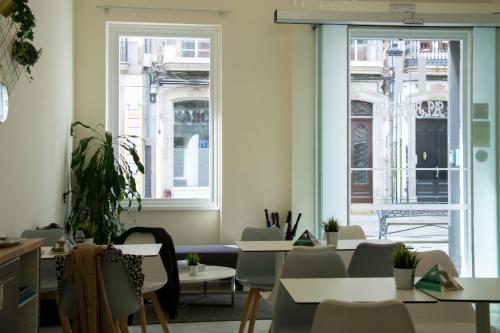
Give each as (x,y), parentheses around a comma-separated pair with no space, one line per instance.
(212,32)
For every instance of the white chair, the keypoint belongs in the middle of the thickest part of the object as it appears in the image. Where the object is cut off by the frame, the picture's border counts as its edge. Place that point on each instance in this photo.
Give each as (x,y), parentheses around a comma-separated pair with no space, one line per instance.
(120,292)
(441,316)
(351,232)
(289,316)
(346,233)
(256,271)
(155,277)
(270,296)
(379,317)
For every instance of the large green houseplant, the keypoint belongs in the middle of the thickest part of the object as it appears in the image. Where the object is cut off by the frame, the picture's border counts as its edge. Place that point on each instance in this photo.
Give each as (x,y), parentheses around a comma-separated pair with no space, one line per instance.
(102,181)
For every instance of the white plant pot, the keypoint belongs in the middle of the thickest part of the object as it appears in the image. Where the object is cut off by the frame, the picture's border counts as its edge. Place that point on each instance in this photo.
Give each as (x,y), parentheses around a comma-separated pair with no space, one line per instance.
(332,238)
(194,270)
(404,278)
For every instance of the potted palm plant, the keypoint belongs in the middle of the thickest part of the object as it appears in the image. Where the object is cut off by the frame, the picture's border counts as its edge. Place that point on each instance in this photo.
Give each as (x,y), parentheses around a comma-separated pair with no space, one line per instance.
(405,262)
(193,261)
(102,183)
(331,229)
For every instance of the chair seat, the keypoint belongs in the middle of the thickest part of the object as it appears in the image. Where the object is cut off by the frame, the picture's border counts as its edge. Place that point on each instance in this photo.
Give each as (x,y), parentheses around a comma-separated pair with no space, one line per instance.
(258,282)
(152,285)
(447,327)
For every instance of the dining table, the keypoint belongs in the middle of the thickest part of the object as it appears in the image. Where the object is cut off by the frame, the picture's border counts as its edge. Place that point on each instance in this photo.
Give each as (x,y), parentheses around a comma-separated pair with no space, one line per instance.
(345,249)
(373,289)
(477,290)
(480,291)
(146,250)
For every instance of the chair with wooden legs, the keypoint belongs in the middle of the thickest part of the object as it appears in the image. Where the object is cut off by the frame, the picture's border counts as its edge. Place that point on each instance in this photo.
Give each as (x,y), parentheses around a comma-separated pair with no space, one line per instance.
(120,292)
(48,278)
(256,271)
(155,277)
(289,316)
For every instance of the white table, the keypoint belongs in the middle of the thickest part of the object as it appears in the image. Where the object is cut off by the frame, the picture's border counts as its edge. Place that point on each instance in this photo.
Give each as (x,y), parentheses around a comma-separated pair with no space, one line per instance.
(481,291)
(146,250)
(351,290)
(345,247)
(210,273)
(285,246)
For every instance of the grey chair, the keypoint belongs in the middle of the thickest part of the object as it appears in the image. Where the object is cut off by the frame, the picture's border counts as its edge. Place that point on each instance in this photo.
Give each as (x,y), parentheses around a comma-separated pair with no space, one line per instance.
(48,278)
(288,316)
(372,260)
(155,277)
(351,232)
(256,271)
(120,292)
(380,317)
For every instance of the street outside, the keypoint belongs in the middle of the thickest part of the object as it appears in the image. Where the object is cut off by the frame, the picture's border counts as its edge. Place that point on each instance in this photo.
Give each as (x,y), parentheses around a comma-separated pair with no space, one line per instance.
(422,239)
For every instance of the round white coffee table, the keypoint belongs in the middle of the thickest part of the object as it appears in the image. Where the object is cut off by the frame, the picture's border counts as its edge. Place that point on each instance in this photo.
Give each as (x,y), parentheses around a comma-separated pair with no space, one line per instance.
(211,273)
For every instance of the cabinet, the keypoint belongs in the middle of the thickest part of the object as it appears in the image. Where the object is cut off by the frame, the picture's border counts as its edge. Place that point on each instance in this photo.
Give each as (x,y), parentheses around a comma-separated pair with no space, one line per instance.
(20,287)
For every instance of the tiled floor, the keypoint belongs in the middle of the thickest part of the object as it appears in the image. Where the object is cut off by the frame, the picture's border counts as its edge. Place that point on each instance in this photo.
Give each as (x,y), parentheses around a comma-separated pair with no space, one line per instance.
(261,326)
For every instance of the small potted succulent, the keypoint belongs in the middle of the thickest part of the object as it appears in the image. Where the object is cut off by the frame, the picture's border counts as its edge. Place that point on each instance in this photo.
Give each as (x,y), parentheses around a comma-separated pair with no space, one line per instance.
(193,261)
(405,262)
(331,229)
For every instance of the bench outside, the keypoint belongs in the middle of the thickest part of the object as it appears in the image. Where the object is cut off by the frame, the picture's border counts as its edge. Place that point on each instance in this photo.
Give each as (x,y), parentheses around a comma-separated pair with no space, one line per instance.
(384,215)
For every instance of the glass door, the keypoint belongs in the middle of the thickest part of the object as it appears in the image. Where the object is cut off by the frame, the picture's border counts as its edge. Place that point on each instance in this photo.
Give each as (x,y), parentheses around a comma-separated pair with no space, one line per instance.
(408,131)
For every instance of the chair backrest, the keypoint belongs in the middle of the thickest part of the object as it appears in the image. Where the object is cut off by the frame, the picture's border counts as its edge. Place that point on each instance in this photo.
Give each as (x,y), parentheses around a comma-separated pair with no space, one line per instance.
(257,264)
(430,258)
(351,232)
(442,312)
(50,237)
(379,317)
(372,260)
(320,263)
(152,267)
(120,289)
(48,279)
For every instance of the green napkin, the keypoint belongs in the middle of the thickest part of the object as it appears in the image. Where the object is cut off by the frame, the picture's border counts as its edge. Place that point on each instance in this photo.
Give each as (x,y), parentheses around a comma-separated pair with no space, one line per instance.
(306,239)
(431,280)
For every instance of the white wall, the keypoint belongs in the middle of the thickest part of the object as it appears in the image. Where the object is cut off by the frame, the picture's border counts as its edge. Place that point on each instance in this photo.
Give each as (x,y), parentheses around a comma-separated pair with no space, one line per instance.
(265,162)
(256,108)
(33,141)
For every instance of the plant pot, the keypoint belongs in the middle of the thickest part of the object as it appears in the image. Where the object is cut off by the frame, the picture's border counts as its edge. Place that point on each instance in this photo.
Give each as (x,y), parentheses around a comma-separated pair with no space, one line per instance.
(404,278)
(194,270)
(6,7)
(89,240)
(332,238)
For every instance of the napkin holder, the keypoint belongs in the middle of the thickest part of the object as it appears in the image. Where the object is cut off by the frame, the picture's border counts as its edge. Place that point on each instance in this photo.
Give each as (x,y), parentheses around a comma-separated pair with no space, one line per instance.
(307,239)
(438,280)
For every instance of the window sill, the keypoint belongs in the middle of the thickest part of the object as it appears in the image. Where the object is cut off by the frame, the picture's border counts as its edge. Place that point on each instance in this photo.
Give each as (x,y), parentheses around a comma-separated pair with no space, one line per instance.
(176,204)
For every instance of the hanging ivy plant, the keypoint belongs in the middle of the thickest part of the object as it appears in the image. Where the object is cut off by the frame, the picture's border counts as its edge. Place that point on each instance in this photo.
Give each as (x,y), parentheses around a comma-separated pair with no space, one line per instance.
(23,50)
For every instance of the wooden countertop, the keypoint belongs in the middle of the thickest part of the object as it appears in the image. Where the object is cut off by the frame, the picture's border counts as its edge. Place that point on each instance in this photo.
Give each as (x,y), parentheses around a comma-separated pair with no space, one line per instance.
(27,245)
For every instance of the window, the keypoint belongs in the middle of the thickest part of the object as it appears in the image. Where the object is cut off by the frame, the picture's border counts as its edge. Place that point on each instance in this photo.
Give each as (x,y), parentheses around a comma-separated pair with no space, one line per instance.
(167,94)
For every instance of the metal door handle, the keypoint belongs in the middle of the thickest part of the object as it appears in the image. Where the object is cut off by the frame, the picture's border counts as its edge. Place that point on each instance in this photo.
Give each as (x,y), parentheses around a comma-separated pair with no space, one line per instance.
(437,171)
